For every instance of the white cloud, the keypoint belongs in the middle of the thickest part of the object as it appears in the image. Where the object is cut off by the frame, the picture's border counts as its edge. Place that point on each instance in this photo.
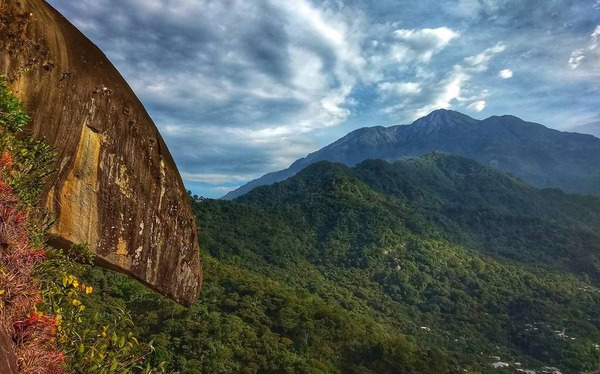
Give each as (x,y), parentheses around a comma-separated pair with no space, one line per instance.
(578,55)
(506,73)
(477,106)
(399,88)
(429,91)
(480,61)
(594,38)
(421,44)
(448,90)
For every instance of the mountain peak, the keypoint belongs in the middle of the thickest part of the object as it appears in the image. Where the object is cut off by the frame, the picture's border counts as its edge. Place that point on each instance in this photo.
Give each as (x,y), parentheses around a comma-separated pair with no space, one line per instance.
(444,117)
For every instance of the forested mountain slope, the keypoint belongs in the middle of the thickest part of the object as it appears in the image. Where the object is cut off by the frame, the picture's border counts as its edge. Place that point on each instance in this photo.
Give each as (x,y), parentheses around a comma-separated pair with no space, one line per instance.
(471,204)
(385,268)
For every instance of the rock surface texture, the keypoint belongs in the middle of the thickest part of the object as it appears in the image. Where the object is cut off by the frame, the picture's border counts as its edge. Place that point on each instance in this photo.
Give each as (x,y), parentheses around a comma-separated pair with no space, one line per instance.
(116,186)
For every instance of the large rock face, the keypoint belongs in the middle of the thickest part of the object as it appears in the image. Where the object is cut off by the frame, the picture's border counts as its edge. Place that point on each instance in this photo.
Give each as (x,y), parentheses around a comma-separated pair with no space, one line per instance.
(116,186)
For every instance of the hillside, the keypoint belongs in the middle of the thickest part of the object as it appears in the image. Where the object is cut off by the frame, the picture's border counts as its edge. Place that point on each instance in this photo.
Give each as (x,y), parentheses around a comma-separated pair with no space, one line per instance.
(496,213)
(541,156)
(469,204)
(376,269)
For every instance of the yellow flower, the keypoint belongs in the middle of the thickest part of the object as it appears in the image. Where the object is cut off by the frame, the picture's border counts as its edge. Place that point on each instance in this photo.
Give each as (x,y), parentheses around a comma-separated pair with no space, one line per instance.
(68,280)
(89,290)
(75,283)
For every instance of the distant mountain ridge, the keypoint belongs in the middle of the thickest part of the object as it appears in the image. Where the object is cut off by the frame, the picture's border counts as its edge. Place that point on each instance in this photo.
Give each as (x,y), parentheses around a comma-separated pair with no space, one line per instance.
(541,156)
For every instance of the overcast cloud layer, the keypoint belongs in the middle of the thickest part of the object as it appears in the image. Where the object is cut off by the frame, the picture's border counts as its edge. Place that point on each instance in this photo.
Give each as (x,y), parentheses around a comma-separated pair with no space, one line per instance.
(239,88)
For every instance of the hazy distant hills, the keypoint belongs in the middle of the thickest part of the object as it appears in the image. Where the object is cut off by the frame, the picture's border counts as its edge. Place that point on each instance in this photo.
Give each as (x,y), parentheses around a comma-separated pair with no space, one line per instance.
(541,156)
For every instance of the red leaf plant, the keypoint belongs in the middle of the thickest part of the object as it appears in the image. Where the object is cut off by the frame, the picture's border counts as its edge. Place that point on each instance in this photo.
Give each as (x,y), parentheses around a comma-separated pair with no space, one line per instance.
(32,332)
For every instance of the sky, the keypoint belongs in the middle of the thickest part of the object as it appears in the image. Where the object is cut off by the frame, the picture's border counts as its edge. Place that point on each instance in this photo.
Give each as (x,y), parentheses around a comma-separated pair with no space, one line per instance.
(239,88)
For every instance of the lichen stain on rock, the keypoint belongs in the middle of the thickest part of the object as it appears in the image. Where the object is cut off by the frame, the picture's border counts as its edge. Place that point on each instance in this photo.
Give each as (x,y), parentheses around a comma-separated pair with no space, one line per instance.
(163,176)
(116,185)
(78,195)
(119,174)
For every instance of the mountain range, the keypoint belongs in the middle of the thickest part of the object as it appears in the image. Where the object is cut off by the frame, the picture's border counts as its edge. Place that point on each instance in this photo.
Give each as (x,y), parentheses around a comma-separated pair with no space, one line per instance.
(541,156)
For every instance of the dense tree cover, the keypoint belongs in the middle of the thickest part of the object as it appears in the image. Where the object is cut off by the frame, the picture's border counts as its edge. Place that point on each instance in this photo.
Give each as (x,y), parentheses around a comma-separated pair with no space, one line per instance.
(472,205)
(494,212)
(381,268)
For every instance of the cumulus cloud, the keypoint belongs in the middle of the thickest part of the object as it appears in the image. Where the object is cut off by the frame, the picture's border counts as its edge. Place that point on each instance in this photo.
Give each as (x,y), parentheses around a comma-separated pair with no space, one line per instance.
(577,56)
(480,61)
(448,90)
(506,73)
